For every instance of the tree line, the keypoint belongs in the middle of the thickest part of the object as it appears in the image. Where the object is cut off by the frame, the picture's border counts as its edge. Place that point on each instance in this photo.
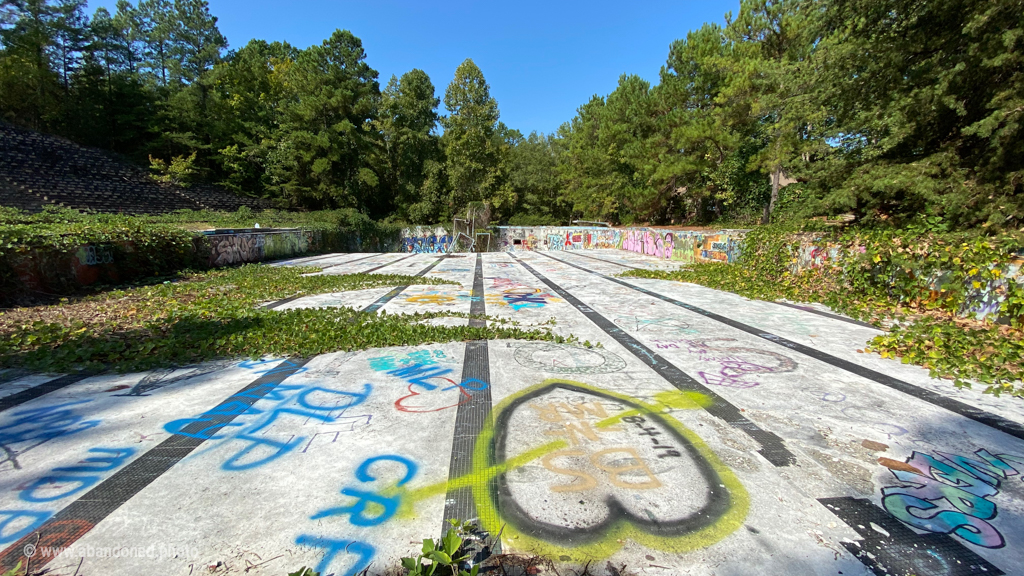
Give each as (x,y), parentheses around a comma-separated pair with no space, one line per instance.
(898,111)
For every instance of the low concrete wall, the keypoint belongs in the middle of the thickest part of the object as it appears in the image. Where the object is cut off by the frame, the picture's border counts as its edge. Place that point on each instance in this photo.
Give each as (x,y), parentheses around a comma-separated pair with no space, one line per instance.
(982,301)
(426,240)
(229,247)
(41,272)
(677,245)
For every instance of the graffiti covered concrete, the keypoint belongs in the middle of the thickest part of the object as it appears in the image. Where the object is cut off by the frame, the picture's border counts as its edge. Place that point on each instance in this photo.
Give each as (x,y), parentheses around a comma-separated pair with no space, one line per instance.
(681,246)
(605,459)
(253,246)
(426,240)
(587,458)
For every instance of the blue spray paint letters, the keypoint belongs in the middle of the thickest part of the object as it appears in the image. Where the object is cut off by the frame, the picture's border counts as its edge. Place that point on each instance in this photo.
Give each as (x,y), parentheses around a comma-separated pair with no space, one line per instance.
(248,422)
(385,363)
(83,482)
(83,475)
(363,472)
(365,552)
(29,520)
(31,428)
(367,472)
(419,374)
(100,464)
(356,511)
(961,482)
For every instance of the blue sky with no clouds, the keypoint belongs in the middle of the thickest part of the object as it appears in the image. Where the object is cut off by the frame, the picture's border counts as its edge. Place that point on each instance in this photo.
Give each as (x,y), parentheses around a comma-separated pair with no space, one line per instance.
(542,59)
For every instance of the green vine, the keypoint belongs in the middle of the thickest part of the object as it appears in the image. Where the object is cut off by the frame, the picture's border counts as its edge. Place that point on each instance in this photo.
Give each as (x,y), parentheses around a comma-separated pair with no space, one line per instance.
(216,315)
(928,285)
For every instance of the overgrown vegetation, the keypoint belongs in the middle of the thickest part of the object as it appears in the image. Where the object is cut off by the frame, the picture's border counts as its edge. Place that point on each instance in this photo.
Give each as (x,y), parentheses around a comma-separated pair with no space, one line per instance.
(888,109)
(148,246)
(216,314)
(925,283)
(443,557)
(65,229)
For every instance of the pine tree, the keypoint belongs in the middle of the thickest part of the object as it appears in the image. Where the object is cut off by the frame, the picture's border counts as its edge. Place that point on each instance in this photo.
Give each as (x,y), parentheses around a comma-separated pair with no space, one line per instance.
(474,150)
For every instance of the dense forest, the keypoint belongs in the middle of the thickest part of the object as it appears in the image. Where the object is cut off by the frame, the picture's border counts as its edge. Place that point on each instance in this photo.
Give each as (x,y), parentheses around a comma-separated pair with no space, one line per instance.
(897,111)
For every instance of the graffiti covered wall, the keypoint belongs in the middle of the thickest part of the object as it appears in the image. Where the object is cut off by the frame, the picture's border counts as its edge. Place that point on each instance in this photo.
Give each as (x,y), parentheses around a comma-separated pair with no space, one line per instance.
(682,246)
(983,299)
(237,247)
(425,240)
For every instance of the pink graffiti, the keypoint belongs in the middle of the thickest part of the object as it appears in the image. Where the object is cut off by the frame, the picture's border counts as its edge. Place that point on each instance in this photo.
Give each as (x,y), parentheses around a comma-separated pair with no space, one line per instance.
(649,243)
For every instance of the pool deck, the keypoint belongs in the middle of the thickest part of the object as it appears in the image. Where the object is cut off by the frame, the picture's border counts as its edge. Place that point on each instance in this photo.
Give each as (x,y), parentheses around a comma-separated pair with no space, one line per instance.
(689,431)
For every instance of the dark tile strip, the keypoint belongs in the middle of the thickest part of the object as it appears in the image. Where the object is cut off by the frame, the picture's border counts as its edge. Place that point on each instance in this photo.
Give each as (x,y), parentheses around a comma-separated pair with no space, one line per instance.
(304,261)
(471,416)
(375,268)
(12,374)
(978,415)
(8,402)
(284,301)
(900,550)
(76,519)
(399,289)
(375,254)
(772,447)
(827,314)
(787,304)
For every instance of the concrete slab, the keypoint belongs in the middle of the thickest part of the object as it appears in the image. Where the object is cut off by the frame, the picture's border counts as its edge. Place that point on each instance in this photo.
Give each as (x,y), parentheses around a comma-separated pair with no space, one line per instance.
(688,431)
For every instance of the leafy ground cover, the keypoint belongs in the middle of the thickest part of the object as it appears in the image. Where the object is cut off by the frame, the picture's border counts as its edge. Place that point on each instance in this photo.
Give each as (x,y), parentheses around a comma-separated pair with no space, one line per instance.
(216,314)
(67,229)
(918,283)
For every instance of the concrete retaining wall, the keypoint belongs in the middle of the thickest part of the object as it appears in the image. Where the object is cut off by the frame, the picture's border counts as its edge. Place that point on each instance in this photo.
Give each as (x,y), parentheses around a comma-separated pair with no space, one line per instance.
(982,301)
(677,245)
(41,272)
(426,240)
(229,247)
(50,272)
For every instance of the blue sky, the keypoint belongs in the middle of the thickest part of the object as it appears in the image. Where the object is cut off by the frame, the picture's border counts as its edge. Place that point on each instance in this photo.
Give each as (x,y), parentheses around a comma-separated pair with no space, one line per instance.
(541,59)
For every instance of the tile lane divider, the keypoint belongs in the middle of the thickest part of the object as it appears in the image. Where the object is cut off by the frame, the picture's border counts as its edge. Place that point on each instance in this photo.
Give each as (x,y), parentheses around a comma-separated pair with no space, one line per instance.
(16,399)
(787,304)
(399,289)
(772,447)
(284,301)
(76,519)
(992,420)
(471,415)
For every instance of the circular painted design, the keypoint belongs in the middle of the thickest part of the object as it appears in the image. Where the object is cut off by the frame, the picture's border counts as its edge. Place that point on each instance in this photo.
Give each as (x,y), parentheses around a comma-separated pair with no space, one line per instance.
(563,359)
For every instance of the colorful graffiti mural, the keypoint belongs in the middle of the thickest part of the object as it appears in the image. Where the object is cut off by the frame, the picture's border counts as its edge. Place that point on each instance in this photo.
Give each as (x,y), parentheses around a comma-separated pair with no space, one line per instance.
(525,238)
(930,484)
(682,246)
(425,240)
(238,248)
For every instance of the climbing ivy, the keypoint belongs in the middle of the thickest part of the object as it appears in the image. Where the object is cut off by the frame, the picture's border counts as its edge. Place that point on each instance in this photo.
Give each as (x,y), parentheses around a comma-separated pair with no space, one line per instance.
(218,314)
(924,283)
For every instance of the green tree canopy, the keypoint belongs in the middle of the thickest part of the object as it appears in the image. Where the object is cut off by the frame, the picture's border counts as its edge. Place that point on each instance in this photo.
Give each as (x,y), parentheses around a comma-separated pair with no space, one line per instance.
(473,146)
